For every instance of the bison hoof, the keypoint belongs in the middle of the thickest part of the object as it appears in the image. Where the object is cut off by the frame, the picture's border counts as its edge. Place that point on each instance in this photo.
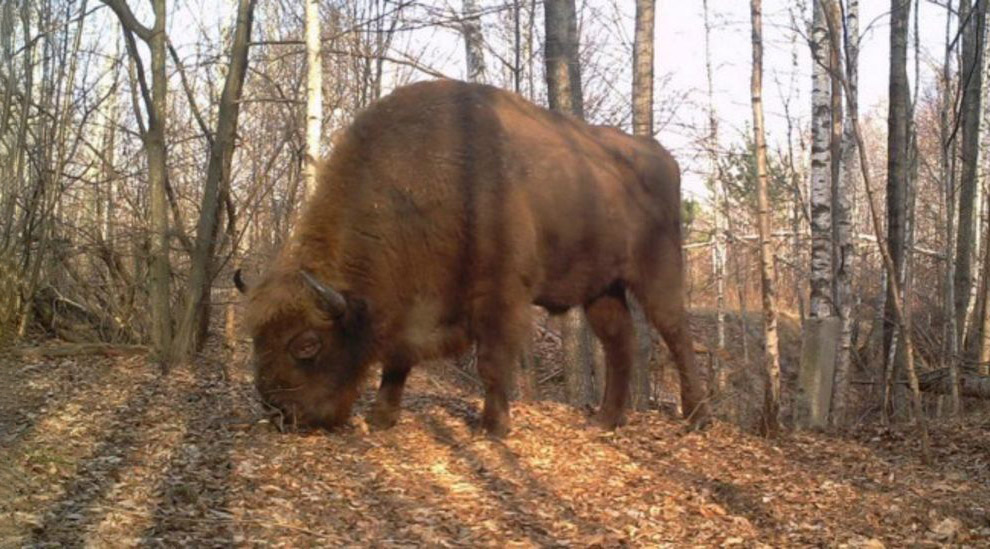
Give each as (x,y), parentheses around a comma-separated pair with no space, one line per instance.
(496,427)
(610,420)
(383,418)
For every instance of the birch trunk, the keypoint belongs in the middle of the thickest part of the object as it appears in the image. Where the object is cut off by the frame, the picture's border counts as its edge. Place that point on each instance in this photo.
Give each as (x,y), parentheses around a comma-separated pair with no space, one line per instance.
(718,222)
(821,329)
(771,402)
(845,246)
(474,45)
(820,303)
(883,246)
(314,95)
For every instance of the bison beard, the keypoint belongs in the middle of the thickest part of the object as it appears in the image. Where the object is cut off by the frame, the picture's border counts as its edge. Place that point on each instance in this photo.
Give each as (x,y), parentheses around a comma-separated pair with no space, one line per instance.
(444,212)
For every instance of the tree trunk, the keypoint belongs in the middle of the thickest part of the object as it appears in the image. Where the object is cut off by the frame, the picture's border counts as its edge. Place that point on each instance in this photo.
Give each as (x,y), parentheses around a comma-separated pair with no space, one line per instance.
(820,304)
(642,122)
(888,260)
(196,312)
(314,95)
(822,327)
(972,19)
(718,221)
(897,175)
(971,82)
(474,43)
(161,268)
(565,96)
(771,402)
(951,332)
(642,91)
(845,251)
(563,67)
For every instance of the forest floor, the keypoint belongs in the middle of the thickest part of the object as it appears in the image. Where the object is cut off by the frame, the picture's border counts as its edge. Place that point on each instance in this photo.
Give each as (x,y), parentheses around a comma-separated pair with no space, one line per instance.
(106,452)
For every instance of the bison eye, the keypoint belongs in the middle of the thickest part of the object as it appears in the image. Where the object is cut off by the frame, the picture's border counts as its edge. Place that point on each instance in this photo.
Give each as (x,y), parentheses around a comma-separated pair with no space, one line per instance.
(305,345)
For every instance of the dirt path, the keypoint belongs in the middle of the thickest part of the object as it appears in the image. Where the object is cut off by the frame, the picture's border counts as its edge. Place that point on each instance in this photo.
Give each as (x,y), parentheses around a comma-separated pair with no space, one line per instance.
(104,452)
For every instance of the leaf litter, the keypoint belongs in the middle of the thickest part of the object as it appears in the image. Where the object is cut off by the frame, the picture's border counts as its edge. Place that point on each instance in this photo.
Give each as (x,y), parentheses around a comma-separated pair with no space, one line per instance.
(104,451)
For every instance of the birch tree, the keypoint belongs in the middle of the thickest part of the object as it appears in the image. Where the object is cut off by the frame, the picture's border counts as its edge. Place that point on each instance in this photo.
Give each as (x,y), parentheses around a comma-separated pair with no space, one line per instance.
(771,399)
(642,122)
(718,214)
(820,302)
(883,246)
(845,187)
(314,94)
(474,45)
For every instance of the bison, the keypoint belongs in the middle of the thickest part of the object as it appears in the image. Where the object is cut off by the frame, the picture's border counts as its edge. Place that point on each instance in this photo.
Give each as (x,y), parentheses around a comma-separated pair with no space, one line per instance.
(444,212)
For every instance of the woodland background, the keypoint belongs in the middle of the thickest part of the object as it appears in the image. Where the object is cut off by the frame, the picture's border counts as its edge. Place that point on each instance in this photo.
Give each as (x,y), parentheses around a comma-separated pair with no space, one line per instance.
(837,236)
(148,149)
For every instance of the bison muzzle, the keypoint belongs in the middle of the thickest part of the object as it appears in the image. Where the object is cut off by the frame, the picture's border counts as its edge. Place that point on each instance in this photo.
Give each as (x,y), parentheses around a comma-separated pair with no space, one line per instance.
(445,211)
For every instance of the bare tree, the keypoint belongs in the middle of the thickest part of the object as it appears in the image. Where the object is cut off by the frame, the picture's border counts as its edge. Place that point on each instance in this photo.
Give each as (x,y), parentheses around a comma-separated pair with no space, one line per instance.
(971,83)
(314,94)
(821,328)
(474,43)
(771,402)
(972,22)
(561,50)
(948,188)
(820,304)
(196,310)
(564,93)
(883,246)
(845,251)
(642,122)
(153,136)
(897,180)
(716,185)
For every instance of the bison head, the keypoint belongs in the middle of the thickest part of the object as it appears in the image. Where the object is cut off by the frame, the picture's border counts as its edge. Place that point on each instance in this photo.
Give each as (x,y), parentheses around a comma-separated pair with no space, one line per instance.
(311,347)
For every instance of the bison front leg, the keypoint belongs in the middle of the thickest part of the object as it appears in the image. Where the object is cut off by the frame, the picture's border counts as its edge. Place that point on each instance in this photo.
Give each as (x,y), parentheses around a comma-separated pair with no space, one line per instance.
(611,322)
(385,411)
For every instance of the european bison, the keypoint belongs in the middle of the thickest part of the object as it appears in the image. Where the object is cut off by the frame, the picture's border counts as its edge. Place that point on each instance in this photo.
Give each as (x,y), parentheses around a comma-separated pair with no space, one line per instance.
(443,213)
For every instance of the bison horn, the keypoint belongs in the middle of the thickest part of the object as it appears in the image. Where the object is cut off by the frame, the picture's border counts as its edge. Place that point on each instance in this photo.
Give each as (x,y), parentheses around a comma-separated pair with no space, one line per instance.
(239,282)
(334,303)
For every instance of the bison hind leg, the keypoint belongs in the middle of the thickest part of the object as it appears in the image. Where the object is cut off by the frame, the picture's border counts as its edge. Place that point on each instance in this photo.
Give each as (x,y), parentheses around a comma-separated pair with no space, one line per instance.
(501,336)
(612,324)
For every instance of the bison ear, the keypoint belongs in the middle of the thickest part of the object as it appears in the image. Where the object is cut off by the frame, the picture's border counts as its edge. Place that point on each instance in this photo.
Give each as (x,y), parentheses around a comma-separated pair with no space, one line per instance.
(331,300)
(239,282)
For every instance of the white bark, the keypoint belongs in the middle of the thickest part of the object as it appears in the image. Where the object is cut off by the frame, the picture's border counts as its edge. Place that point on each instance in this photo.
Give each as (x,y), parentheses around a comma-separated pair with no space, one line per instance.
(314,95)
(718,248)
(820,304)
(474,47)
(845,246)
(768,276)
